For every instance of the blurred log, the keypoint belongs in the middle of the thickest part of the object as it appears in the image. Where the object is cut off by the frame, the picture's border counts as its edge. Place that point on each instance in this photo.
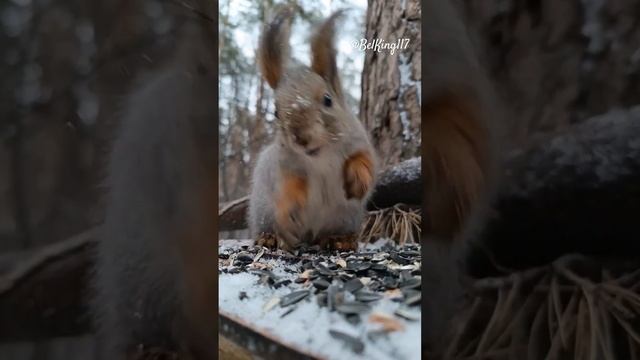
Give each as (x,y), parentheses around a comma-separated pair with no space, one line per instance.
(401,183)
(232,215)
(576,192)
(45,295)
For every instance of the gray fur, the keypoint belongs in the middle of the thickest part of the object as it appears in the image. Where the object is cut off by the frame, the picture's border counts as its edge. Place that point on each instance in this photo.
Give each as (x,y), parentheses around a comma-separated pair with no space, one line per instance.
(328,212)
(453,65)
(155,268)
(338,134)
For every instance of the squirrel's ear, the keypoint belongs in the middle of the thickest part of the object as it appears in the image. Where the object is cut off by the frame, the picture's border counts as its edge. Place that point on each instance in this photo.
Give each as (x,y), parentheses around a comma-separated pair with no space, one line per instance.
(323,52)
(273,51)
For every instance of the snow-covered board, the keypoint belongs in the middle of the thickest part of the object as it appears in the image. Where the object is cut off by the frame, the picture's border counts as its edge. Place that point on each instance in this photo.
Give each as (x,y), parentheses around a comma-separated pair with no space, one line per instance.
(348,305)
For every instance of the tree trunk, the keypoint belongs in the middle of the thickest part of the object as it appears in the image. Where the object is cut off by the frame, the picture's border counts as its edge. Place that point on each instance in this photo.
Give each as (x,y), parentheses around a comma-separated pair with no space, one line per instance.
(558,62)
(390,105)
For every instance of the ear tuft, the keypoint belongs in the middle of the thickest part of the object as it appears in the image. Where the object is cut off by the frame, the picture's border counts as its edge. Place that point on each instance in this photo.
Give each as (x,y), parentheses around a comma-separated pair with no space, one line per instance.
(273,51)
(323,52)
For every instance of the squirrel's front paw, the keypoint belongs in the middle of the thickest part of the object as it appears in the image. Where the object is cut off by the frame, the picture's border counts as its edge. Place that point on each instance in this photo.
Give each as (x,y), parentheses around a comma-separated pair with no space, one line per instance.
(273,241)
(358,174)
(339,242)
(267,240)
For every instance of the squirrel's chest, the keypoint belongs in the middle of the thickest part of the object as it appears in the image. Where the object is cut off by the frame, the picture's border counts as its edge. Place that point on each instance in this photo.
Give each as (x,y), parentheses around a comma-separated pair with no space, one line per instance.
(326,188)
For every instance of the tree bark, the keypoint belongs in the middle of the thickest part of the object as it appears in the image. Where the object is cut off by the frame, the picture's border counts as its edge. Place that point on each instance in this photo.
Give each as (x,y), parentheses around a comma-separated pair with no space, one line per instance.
(558,62)
(390,104)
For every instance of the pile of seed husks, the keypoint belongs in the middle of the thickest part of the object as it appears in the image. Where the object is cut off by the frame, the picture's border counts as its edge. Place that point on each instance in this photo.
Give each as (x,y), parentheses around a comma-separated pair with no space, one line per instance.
(375,291)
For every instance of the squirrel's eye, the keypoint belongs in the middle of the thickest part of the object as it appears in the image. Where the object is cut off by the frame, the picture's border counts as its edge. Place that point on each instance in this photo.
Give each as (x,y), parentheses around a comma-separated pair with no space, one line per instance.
(327,100)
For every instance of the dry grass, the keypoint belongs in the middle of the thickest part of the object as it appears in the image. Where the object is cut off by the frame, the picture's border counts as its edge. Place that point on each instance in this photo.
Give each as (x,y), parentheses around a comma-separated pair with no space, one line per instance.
(399,223)
(574,308)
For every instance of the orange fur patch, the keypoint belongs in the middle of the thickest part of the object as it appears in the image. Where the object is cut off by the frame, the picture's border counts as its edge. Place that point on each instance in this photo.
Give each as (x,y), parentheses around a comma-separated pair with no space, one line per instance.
(458,156)
(292,196)
(358,174)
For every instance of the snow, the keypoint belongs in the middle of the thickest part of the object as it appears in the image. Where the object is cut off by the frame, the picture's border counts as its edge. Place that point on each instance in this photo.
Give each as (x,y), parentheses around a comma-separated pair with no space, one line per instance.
(406,171)
(602,149)
(307,326)
(404,68)
(592,27)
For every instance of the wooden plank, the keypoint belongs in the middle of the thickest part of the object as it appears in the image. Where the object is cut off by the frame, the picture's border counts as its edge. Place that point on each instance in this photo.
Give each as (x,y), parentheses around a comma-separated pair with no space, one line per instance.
(258,341)
(229,350)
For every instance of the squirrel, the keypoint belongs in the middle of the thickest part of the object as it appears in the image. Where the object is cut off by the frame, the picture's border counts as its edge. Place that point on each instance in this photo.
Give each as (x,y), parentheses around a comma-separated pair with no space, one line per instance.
(311,185)
(461,125)
(155,273)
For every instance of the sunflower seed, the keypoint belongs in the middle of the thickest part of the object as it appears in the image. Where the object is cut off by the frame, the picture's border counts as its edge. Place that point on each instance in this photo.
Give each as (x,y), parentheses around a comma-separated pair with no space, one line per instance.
(354,343)
(353,319)
(352,308)
(366,296)
(321,284)
(379,257)
(332,292)
(386,321)
(323,270)
(389,282)
(353,285)
(288,311)
(270,304)
(375,335)
(322,299)
(357,266)
(409,253)
(376,285)
(400,260)
(242,295)
(244,257)
(407,314)
(413,299)
(293,297)
(258,255)
(411,283)
(280,283)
